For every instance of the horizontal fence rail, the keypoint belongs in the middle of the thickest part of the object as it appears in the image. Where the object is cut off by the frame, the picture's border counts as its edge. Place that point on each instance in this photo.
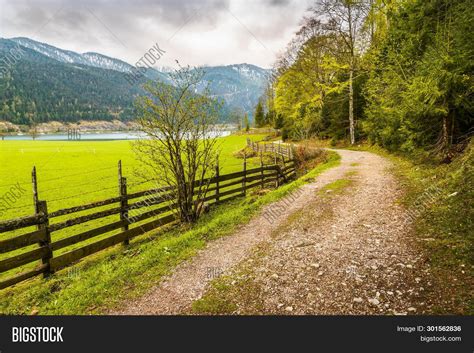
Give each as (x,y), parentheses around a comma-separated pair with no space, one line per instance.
(42,244)
(281,149)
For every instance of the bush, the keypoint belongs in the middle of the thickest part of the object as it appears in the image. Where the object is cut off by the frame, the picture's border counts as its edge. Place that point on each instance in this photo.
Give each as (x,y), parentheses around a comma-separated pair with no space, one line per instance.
(305,153)
(307,157)
(245,152)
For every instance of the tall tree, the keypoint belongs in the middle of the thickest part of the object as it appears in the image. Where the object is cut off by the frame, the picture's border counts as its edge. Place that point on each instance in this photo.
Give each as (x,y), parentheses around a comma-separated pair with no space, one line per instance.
(344,19)
(259,115)
(235,116)
(246,122)
(303,86)
(33,131)
(269,96)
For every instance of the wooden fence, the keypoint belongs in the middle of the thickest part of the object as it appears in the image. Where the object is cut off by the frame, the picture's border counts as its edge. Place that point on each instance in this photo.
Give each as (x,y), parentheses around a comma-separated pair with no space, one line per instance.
(282,149)
(41,244)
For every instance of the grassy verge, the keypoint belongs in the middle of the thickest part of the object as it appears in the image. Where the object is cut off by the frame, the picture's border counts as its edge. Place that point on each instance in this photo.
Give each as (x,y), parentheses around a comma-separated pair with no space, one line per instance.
(105,280)
(440,200)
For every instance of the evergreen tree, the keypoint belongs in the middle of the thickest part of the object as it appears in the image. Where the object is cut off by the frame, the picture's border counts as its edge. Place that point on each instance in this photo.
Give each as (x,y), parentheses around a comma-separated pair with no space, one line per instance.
(420,86)
(278,121)
(259,115)
(246,122)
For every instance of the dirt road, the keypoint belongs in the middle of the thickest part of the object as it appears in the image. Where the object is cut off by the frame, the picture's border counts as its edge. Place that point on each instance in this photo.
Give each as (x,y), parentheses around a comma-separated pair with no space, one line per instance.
(341,246)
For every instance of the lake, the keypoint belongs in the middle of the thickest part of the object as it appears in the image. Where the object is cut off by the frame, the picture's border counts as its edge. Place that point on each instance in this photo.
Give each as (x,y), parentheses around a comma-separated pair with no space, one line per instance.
(91,136)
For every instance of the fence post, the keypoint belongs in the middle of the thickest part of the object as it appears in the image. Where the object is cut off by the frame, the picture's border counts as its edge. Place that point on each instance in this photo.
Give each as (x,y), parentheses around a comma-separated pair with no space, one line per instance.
(261,172)
(42,207)
(245,175)
(217,180)
(123,200)
(276,168)
(277,183)
(34,182)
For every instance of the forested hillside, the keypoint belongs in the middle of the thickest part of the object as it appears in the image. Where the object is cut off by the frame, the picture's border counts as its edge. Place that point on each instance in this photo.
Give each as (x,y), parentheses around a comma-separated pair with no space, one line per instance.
(45,83)
(399,72)
(40,89)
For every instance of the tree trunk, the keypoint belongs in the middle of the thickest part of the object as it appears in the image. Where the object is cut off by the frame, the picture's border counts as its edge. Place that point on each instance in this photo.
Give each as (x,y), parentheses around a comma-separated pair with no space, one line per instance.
(445,135)
(351,105)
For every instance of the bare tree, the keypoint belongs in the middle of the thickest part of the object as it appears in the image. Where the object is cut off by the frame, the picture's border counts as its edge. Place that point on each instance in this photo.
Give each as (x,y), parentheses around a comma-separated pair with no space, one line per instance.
(33,130)
(344,19)
(180,150)
(236,115)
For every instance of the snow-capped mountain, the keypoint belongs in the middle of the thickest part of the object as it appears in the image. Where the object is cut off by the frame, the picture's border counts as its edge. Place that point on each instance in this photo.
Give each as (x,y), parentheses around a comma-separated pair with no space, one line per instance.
(252,72)
(61,55)
(67,56)
(239,85)
(105,62)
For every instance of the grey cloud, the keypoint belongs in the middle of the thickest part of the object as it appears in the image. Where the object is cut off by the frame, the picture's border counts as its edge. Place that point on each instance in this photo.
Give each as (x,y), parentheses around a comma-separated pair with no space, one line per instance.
(203,31)
(279,2)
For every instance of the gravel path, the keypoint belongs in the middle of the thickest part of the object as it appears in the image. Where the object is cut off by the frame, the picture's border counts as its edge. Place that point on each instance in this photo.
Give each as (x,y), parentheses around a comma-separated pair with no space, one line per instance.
(355,260)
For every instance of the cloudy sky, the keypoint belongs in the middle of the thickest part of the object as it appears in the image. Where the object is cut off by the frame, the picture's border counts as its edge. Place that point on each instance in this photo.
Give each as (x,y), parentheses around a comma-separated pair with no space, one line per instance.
(206,32)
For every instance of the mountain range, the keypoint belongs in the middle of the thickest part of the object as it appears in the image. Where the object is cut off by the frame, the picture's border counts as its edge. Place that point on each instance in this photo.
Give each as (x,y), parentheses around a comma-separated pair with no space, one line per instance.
(41,83)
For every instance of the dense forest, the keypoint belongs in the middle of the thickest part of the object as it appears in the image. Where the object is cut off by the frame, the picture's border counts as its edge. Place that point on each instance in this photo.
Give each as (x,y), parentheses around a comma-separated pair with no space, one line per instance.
(398,73)
(38,89)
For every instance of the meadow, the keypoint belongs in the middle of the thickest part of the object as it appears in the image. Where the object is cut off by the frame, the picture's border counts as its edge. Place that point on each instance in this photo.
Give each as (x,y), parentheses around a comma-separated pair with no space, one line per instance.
(72,173)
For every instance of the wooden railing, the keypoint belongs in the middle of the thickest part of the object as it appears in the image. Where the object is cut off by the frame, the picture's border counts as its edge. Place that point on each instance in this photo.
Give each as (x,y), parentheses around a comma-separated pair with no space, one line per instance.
(283,149)
(137,213)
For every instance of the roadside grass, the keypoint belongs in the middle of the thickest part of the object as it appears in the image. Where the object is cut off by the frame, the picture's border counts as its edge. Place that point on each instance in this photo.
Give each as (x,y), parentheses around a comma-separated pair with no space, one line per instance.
(336,187)
(340,186)
(441,199)
(351,173)
(107,279)
(220,304)
(226,292)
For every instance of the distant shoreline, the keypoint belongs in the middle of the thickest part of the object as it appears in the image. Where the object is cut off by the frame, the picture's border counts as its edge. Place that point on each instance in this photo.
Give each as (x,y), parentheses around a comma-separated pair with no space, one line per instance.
(56,127)
(82,127)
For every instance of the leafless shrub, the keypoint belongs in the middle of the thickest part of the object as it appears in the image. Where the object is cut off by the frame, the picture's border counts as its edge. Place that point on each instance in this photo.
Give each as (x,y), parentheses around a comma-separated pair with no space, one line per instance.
(181,148)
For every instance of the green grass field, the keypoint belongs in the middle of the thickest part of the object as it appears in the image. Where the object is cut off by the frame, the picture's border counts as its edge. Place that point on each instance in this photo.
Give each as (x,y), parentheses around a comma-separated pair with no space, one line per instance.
(72,173)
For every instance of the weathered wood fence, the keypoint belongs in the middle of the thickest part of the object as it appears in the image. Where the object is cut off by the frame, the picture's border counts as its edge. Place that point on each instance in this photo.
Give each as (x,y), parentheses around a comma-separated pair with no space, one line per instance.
(134,218)
(277,148)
